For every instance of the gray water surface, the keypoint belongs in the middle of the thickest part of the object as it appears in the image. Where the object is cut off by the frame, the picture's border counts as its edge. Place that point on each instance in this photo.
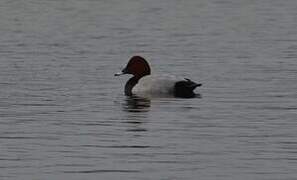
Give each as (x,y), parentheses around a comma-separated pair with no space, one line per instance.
(63,114)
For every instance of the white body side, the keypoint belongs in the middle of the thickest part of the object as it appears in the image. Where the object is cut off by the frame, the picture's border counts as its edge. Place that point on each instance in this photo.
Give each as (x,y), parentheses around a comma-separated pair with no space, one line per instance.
(154,85)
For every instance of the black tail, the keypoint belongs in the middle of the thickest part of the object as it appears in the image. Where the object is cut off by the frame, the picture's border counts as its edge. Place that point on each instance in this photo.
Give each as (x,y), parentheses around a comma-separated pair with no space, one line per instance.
(185,88)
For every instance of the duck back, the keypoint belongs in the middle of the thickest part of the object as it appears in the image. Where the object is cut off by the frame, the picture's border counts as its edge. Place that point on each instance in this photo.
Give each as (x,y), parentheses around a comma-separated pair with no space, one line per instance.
(156,84)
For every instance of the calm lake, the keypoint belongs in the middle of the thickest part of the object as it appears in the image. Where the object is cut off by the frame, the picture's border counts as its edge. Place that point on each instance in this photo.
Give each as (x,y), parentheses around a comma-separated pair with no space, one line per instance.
(63,115)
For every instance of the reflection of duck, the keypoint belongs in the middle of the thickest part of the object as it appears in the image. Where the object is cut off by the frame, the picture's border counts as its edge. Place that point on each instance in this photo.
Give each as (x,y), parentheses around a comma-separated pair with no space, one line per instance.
(137,108)
(143,82)
(137,104)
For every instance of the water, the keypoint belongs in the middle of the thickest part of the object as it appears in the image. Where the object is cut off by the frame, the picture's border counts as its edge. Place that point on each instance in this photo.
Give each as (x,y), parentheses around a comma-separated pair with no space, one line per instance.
(63,114)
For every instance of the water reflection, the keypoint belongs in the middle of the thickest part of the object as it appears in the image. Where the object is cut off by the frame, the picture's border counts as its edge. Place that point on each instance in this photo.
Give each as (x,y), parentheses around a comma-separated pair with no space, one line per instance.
(136,104)
(136,108)
(197,95)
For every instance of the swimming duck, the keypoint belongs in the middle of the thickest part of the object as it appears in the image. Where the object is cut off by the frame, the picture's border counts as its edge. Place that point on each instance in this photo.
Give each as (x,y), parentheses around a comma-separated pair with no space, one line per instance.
(143,82)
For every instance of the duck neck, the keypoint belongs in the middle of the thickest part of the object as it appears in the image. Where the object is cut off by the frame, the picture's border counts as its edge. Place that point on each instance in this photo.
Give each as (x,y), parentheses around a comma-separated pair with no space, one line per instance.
(130,84)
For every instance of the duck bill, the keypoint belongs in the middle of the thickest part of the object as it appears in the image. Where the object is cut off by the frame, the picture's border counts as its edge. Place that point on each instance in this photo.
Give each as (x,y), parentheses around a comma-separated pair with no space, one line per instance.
(119,74)
(124,71)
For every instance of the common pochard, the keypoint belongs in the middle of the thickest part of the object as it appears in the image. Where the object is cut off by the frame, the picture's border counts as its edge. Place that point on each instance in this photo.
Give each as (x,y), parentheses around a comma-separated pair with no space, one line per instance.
(143,82)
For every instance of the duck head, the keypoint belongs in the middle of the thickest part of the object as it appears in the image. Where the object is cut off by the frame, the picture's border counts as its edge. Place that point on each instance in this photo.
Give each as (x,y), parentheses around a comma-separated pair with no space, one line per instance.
(137,66)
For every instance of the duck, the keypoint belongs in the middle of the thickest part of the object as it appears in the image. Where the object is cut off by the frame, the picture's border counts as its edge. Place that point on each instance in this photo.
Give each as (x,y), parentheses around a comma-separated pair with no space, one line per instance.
(144,83)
